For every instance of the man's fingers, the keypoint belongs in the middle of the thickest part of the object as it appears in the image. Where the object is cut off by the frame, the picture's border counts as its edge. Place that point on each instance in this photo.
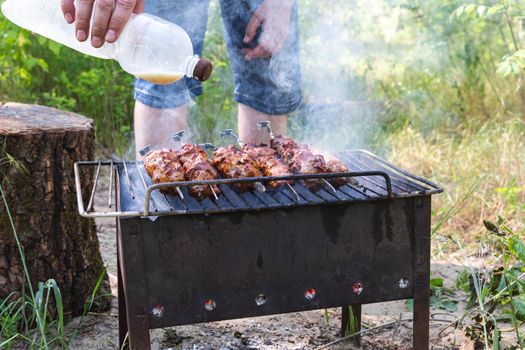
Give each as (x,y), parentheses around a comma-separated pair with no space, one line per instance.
(257,52)
(68,9)
(139,7)
(121,14)
(101,18)
(84,8)
(252,27)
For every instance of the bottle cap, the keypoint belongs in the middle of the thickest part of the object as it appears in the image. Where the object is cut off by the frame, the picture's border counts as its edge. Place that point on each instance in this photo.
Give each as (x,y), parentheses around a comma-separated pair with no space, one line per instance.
(202,70)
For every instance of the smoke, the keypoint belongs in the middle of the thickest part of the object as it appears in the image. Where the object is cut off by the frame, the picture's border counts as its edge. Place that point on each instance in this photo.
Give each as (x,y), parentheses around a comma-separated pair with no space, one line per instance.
(337,112)
(346,49)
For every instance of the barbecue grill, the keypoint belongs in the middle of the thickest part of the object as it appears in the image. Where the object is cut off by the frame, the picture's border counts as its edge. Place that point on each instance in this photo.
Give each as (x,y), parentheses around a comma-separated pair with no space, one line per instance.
(184,261)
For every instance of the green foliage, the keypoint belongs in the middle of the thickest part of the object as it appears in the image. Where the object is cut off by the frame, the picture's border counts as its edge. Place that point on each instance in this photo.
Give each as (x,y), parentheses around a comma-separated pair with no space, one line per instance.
(499,292)
(35,320)
(433,64)
(36,70)
(441,297)
(215,110)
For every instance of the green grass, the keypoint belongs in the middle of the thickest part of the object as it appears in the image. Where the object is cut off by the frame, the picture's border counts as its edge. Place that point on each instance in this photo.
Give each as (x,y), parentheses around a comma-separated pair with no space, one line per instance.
(34,319)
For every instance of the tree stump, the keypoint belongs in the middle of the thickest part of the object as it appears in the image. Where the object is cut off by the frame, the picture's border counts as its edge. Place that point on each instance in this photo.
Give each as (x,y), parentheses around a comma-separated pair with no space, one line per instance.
(57,242)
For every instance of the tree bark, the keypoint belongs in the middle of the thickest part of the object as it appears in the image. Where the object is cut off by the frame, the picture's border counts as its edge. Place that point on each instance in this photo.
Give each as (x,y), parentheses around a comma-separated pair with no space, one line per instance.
(57,242)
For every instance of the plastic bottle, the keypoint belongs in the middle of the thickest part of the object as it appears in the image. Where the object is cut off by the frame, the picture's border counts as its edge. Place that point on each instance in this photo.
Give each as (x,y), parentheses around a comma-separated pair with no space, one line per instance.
(149,47)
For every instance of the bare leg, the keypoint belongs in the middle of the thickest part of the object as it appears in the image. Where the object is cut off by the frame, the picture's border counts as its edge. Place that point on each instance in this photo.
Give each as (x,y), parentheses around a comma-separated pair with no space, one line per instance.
(247,121)
(154,126)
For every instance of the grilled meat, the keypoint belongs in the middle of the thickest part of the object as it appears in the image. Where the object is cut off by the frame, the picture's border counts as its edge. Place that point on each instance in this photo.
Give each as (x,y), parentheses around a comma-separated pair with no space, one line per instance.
(233,164)
(304,160)
(197,166)
(334,165)
(164,166)
(269,162)
(300,159)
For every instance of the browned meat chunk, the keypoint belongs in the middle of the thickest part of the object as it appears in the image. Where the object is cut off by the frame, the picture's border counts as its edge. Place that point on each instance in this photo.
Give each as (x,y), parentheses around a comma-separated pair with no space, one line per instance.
(197,166)
(233,164)
(269,162)
(164,166)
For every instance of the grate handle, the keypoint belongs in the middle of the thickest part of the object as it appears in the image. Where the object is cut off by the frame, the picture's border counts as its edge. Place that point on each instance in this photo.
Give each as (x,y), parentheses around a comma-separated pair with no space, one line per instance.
(263,179)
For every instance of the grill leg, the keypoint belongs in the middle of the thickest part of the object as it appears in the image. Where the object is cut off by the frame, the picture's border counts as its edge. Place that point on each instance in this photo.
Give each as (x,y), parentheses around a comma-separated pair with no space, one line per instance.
(351,318)
(135,310)
(139,337)
(421,284)
(122,316)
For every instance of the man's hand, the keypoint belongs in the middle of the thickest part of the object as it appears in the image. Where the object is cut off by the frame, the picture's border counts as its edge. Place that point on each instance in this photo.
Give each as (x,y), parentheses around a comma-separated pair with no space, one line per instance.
(274,17)
(109,18)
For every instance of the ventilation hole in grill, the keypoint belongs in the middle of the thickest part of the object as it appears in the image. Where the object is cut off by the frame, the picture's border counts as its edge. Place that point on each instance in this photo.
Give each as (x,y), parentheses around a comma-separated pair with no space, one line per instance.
(260,300)
(403,283)
(158,311)
(210,305)
(357,288)
(310,294)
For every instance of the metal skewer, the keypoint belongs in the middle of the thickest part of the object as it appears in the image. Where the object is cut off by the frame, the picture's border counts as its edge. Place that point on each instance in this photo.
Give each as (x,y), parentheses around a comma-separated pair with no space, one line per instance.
(129,180)
(266,124)
(294,192)
(177,137)
(143,153)
(110,183)
(328,187)
(259,186)
(214,193)
(325,184)
(207,146)
(92,198)
(230,133)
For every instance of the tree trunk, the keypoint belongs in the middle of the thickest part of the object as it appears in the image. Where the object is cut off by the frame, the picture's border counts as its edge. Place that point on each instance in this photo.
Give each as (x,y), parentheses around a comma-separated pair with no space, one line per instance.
(57,242)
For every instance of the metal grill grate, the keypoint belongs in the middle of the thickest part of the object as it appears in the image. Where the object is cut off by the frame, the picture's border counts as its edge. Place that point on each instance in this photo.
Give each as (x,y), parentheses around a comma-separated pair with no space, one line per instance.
(377,179)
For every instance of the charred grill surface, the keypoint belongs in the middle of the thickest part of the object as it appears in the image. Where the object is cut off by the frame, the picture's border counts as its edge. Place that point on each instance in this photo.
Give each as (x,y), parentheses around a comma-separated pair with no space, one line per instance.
(197,166)
(268,161)
(233,163)
(164,166)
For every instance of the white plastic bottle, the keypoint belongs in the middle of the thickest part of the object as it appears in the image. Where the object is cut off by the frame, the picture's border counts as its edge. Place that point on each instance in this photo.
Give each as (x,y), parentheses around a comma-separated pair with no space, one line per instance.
(149,47)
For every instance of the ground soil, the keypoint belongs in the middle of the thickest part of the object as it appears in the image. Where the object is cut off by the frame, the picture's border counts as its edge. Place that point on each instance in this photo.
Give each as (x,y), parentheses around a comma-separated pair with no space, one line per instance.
(305,330)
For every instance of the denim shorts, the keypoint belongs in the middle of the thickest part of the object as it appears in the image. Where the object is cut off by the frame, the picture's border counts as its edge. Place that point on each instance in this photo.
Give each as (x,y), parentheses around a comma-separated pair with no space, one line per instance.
(269,85)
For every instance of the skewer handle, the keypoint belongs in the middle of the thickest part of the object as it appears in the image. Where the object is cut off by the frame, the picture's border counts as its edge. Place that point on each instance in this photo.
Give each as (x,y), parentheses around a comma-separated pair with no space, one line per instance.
(266,124)
(177,136)
(230,133)
(207,146)
(145,150)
